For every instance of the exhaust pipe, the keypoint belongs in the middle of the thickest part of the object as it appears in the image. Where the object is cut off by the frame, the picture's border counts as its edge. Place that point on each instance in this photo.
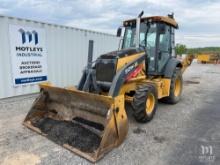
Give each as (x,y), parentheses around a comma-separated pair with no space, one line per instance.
(138,22)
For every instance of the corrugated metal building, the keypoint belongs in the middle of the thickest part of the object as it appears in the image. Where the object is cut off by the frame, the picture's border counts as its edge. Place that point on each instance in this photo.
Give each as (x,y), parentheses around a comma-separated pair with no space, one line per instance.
(67,50)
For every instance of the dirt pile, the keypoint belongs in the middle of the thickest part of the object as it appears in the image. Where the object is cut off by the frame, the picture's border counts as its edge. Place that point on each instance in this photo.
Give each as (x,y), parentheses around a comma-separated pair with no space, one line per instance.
(67,132)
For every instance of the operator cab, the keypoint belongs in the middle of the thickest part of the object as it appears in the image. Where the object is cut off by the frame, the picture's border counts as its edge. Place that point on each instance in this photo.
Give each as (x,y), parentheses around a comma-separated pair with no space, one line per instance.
(156,37)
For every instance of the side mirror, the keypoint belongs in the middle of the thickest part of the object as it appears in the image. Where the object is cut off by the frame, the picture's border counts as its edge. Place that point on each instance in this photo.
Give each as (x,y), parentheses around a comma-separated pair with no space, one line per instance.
(119,32)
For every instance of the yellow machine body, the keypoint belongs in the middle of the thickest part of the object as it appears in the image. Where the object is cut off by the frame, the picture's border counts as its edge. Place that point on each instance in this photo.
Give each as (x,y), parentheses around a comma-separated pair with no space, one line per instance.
(91,124)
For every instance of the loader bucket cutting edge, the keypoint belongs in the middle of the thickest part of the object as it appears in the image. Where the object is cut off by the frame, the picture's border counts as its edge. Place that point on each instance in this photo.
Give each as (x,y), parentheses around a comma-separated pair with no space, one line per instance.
(87,124)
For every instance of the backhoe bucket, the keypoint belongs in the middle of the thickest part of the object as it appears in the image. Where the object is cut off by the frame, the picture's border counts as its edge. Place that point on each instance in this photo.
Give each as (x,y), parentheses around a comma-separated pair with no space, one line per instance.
(87,124)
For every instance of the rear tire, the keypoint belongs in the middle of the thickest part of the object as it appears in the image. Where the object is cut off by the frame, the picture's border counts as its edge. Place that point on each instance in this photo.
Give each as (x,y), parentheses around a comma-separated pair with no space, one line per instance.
(176,87)
(144,103)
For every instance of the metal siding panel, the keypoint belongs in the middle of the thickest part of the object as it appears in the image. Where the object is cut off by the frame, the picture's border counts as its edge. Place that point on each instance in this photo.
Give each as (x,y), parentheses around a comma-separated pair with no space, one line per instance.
(67,50)
(3,58)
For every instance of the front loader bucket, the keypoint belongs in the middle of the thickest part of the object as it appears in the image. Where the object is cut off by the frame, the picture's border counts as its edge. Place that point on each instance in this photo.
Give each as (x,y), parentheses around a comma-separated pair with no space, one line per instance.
(87,124)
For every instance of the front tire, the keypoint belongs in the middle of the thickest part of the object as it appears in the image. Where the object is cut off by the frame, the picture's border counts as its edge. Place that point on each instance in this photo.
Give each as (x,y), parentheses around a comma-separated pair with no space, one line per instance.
(176,87)
(144,103)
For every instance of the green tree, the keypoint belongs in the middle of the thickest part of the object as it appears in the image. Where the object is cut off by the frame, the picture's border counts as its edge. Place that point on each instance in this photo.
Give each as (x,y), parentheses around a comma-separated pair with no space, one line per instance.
(181,49)
(203,50)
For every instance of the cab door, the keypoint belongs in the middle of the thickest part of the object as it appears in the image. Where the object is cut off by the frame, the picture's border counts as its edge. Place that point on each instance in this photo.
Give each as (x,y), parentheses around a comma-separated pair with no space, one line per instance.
(151,48)
(164,46)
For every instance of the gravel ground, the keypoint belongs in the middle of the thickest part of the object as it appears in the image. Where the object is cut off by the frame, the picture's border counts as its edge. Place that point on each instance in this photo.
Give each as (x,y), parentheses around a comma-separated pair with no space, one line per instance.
(176,135)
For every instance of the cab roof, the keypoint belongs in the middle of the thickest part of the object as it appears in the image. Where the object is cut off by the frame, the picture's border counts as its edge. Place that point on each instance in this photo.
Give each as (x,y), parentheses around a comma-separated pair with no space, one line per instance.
(166,19)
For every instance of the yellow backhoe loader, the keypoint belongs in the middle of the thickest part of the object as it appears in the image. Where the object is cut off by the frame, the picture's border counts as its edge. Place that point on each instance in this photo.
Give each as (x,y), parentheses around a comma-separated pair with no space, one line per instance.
(208,58)
(90,119)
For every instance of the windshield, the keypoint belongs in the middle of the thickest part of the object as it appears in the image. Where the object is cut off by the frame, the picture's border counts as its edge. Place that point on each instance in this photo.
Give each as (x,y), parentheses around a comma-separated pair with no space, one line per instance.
(130,36)
(155,38)
(148,36)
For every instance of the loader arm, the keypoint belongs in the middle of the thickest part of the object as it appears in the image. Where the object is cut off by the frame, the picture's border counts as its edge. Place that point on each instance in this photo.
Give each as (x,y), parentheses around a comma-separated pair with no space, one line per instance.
(186,62)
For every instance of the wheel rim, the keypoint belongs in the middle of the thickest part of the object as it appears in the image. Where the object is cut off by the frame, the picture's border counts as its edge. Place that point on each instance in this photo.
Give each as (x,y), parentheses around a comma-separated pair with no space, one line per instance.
(150,103)
(177,89)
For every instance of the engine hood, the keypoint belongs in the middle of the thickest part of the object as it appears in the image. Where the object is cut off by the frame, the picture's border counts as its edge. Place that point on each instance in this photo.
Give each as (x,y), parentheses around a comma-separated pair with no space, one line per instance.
(121,53)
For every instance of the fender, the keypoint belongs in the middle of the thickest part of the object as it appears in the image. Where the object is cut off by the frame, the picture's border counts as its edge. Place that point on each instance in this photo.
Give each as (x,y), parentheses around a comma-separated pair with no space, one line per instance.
(170,67)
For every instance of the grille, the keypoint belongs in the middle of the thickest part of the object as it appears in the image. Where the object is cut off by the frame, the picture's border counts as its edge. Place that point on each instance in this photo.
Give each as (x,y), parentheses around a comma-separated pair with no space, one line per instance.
(105,70)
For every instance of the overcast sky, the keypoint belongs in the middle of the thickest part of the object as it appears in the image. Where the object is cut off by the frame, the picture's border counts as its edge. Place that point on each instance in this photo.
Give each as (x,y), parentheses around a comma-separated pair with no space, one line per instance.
(199,20)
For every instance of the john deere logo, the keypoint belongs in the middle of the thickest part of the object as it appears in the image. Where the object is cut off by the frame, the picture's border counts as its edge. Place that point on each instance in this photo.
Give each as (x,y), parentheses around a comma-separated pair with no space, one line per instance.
(28,36)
